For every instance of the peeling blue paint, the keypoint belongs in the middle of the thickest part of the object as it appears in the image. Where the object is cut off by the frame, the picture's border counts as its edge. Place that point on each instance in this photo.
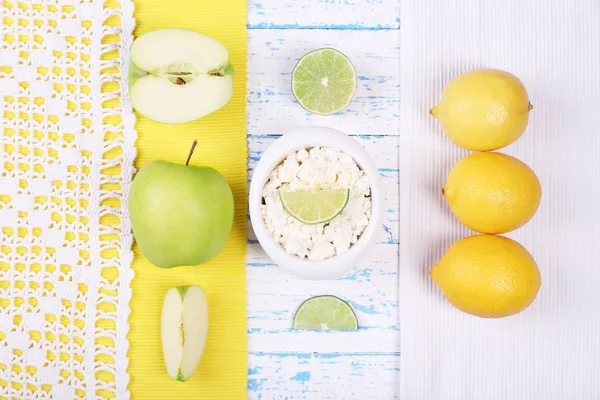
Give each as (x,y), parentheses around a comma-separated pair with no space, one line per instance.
(391,239)
(260,264)
(348,27)
(301,376)
(371,137)
(255,384)
(301,355)
(253,371)
(364,273)
(367,310)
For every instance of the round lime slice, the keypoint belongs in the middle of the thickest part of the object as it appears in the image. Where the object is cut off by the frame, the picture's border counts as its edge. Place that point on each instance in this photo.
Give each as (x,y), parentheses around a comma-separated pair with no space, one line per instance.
(324,81)
(313,207)
(325,313)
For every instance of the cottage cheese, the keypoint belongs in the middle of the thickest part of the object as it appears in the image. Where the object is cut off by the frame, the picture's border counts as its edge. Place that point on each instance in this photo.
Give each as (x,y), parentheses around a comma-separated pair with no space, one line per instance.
(317,168)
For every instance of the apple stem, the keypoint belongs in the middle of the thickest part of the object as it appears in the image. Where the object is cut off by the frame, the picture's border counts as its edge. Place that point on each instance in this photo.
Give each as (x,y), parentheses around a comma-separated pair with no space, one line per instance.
(191,151)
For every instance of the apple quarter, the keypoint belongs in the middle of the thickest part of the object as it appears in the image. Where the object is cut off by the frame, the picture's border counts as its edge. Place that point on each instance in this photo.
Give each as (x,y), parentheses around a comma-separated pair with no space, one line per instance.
(184,328)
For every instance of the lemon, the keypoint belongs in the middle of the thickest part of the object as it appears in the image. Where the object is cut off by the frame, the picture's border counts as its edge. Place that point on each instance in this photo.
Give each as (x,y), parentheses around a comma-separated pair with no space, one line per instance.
(488,276)
(484,109)
(492,192)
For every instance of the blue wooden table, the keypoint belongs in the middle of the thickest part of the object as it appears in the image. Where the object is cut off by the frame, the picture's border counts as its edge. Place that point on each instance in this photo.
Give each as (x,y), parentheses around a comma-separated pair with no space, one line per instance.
(285,364)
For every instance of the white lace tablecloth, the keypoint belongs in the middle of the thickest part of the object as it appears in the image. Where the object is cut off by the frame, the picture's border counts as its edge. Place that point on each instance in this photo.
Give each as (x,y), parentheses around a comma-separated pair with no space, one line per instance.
(66,161)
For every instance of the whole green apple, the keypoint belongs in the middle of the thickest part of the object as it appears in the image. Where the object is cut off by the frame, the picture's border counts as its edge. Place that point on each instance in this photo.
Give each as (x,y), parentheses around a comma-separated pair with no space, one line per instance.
(180,214)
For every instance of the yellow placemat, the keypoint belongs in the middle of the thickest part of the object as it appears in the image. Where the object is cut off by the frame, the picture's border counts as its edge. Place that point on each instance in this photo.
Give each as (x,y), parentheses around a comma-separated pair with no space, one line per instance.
(222,145)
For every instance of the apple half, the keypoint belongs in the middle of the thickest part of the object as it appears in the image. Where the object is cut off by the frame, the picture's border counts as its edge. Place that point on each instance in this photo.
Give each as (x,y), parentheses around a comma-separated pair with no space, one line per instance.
(178,75)
(184,327)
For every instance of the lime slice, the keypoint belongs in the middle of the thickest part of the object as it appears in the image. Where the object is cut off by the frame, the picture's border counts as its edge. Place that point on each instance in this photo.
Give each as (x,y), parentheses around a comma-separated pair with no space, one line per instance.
(313,207)
(325,313)
(324,81)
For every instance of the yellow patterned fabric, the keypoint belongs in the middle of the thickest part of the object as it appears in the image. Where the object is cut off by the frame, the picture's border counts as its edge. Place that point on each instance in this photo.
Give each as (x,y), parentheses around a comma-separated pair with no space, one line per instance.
(222,145)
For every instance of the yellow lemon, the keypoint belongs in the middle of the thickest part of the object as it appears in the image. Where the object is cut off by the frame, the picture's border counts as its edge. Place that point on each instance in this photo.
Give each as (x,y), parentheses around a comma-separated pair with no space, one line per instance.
(488,276)
(484,109)
(492,192)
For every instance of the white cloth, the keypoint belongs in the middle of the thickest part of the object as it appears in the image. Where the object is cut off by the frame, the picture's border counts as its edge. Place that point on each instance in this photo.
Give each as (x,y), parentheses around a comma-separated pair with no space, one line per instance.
(551,350)
(63,221)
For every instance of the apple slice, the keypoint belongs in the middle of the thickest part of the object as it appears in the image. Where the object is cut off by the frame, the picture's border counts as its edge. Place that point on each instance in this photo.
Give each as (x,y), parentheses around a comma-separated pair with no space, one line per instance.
(184,327)
(178,75)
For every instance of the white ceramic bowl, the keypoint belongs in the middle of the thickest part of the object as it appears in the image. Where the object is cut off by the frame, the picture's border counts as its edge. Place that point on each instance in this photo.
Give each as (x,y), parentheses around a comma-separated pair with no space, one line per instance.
(271,158)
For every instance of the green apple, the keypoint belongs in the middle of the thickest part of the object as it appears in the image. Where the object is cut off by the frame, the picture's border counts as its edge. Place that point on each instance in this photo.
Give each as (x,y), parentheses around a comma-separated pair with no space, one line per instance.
(180,214)
(178,75)
(184,327)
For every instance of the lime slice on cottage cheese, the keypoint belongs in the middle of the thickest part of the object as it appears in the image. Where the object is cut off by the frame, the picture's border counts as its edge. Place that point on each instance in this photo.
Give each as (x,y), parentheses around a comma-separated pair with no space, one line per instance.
(324,81)
(325,313)
(313,207)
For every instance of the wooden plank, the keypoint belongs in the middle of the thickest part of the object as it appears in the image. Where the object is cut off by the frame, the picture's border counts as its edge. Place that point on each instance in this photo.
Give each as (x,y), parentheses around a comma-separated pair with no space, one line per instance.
(372,289)
(323,376)
(282,363)
(330,14)
(272,56)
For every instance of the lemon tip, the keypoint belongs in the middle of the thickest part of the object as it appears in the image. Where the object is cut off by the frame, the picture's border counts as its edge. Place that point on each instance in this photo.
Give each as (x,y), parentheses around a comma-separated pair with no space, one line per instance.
(447,191)
(433,273)
(434,111)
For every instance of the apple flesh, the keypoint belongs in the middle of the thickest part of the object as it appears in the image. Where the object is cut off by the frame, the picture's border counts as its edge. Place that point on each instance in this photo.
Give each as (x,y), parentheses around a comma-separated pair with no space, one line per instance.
(178,75)
(180,215)
(184,327)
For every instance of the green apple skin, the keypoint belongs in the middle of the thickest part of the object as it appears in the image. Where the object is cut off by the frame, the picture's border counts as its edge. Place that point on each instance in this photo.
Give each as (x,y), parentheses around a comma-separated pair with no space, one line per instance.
(180,215)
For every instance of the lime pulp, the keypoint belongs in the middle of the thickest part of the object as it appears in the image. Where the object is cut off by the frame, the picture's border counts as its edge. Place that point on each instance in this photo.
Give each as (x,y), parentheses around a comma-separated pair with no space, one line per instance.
(324,81)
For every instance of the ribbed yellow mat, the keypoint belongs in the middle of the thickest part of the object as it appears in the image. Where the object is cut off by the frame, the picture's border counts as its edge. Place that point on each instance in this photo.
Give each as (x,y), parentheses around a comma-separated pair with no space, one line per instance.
(222,145)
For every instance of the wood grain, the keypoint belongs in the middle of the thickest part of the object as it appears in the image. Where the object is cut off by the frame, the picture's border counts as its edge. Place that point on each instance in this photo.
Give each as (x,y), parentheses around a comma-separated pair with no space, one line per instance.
(330,14)
(323,376)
